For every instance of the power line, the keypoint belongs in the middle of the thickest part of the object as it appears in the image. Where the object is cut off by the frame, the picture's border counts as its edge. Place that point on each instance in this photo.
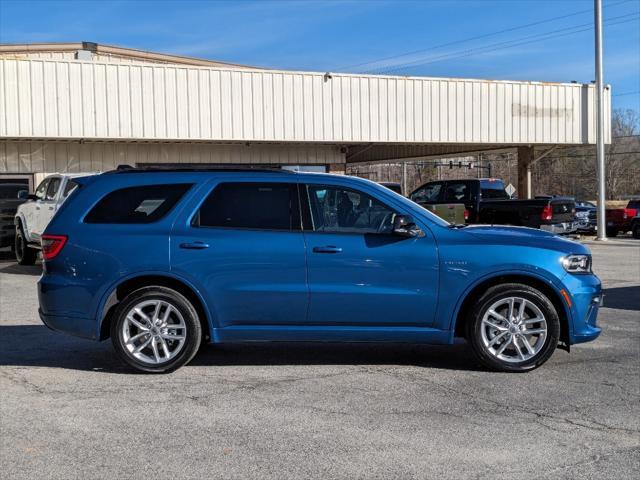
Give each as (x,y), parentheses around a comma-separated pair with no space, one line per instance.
(626,93)
(478,37)
(507,44)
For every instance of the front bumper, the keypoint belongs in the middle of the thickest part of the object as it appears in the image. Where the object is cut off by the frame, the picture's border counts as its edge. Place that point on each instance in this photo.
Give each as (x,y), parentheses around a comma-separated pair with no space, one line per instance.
(585,293)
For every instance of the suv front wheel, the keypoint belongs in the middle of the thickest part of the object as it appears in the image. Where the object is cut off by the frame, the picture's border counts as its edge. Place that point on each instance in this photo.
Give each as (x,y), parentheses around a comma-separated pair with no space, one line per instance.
(513,328)
(156,330)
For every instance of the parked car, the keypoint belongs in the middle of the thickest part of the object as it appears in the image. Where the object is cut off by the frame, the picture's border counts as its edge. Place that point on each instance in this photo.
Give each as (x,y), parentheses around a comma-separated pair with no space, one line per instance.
(586,217)
(161,261)
(486,201)
(11,195)
(455,213)
(619,219)
(395,186)
(635,226)
(33,216)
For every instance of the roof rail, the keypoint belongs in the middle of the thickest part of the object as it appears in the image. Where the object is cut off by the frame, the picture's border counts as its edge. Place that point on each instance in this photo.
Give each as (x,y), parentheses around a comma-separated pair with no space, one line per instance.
(190,168)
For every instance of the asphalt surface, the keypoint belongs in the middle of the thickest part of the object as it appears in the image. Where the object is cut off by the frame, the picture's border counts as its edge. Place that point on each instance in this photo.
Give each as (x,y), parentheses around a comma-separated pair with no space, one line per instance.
(70,409)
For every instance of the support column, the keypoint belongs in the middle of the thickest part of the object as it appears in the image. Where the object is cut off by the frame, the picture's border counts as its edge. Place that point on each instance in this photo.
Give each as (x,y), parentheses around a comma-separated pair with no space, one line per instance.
(525,158)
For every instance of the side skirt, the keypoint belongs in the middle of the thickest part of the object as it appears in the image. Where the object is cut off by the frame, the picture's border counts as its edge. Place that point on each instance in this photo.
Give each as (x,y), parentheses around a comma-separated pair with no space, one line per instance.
(298,333)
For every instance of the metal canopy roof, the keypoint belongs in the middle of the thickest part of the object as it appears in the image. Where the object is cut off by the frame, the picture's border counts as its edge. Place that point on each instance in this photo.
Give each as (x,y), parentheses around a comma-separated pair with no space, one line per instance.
(389,116)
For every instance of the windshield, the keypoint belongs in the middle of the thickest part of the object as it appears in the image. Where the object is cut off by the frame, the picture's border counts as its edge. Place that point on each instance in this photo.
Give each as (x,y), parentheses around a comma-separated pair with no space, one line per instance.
(413,205)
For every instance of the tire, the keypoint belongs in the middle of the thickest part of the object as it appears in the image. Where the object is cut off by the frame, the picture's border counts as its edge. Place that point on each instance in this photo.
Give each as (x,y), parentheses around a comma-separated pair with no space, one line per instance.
(181,342)
(24,254)
(636,231)
(491,351)
(612,232)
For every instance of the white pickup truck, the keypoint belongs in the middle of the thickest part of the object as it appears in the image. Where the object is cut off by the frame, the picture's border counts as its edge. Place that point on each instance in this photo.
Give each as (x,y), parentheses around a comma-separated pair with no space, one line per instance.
(33,216)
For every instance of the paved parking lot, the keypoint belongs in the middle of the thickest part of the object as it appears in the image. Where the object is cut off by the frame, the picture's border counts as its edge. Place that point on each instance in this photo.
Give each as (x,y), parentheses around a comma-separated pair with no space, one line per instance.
(70,409)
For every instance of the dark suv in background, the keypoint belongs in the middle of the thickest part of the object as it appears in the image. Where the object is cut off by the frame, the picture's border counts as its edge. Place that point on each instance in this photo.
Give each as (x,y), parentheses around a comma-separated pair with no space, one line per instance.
(11,196)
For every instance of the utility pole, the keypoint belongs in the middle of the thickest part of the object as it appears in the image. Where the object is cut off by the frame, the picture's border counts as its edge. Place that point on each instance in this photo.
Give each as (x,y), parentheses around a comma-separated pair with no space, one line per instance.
(404,177)
(602,221)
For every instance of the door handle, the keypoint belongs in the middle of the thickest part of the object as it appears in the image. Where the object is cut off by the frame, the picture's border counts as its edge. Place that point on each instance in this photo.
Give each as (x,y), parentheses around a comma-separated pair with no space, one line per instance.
(327,249)
(50,208)
(194,245)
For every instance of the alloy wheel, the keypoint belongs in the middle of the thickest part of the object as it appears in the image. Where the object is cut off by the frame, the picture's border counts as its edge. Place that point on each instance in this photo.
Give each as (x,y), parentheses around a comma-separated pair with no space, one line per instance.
(154,331)
(513,329)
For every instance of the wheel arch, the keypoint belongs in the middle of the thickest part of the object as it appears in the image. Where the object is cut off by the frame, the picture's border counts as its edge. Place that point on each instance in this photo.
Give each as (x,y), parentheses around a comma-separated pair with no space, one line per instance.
(125,287)
(538,283)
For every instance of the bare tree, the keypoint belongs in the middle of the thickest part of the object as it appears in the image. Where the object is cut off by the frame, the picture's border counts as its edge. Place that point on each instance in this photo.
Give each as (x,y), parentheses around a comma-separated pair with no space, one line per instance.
(622,163)
(566,171)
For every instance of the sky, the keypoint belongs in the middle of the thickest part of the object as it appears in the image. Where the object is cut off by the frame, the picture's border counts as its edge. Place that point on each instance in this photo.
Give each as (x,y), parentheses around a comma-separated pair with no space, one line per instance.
(542,40)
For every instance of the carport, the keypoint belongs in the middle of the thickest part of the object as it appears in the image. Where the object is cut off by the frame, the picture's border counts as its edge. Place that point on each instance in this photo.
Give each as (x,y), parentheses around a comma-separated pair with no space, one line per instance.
(91,113)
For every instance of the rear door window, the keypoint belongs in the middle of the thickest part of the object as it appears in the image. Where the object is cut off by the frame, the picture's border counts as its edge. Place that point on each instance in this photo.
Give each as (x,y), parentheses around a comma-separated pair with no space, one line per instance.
(141,204)
(52,189)
(457,192)
(69,187)
(255,206)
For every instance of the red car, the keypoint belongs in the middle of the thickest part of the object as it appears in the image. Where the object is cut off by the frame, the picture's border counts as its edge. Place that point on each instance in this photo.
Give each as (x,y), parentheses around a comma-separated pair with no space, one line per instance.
(619,219)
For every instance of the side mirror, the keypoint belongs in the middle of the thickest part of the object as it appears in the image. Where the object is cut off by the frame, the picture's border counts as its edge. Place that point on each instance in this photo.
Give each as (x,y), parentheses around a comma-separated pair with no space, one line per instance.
(23,194)
(404,226)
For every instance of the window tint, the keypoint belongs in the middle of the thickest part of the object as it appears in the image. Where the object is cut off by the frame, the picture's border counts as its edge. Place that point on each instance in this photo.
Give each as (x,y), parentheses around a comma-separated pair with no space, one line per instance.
(428,193)
(52,189)
(493,189)
(258,206)
(143,204)
(42,188)
(340,210)
(69,187)
(457,192)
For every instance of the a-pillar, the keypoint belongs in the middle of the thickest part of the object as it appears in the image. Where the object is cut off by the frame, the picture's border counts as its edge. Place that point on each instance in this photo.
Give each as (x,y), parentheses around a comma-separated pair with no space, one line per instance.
(525,159)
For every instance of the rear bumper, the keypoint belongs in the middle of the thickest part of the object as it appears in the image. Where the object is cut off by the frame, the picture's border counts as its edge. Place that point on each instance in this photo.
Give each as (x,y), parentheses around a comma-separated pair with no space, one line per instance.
(78,327)
(61,308)
(560,228)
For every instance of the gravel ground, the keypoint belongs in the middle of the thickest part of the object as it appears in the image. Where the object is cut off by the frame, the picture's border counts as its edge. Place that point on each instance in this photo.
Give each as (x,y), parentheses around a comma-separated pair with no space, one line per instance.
(70,409)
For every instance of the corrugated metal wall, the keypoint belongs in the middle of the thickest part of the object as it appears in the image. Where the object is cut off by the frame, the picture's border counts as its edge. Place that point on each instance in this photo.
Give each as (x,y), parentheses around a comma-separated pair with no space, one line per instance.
(70,99)
(72,156)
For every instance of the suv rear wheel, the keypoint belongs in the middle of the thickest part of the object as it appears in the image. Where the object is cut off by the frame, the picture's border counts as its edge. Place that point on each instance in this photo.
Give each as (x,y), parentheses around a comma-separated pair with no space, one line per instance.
(156,330)
(24,254)
(513,328)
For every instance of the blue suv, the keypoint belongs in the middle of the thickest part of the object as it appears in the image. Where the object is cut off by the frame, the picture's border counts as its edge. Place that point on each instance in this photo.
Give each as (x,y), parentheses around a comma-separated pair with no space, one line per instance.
(161,261)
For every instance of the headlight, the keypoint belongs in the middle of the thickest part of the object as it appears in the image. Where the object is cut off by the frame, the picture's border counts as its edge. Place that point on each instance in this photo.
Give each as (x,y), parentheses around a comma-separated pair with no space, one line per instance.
(577,263)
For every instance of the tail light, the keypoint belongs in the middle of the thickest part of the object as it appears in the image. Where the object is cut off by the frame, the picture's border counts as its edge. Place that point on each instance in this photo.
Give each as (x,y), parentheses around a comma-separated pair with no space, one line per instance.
(547,213)
(52,245)
(629,213)
(466,214)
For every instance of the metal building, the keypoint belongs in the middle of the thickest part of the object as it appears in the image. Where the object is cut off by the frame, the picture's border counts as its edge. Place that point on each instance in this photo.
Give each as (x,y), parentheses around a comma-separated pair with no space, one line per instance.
(87,107)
